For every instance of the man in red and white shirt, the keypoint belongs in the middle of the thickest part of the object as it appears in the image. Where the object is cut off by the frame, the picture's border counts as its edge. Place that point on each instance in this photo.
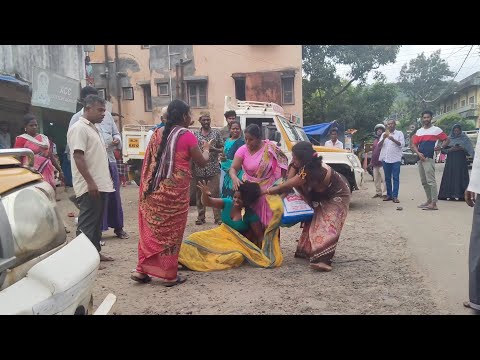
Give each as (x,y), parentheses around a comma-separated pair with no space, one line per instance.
(423,143)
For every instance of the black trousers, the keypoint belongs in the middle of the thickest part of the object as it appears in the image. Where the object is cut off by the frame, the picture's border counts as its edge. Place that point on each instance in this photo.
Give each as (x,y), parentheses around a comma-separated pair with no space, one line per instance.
(90,217)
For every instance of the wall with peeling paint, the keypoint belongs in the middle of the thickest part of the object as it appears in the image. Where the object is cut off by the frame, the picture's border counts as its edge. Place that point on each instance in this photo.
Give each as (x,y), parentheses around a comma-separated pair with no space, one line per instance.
(66,60)
(264,65)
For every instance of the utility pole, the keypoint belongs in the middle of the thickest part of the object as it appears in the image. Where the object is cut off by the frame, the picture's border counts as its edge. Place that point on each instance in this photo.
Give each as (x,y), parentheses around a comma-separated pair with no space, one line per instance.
(170,70)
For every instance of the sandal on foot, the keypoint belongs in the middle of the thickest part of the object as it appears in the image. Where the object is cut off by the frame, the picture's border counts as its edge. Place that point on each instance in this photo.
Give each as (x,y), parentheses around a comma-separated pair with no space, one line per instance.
(199,222)
(179,280)
(424,205)
(142,280)
(122,234)
(430,208)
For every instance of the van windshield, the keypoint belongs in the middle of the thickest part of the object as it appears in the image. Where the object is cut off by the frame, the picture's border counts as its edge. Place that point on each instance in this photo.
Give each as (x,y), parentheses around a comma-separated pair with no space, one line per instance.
(301,133)
(290,130)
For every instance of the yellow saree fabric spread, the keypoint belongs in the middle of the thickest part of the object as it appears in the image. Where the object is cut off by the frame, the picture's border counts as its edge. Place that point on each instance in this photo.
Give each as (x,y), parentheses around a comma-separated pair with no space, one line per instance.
(224,248)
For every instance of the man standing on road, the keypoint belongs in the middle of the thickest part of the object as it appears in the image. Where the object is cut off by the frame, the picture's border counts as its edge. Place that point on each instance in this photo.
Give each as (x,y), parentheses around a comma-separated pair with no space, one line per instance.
(163,120)
(210,173)
(334,142)
(423,143)
(474,251)
(391,156)
(91,177)
(113,214)
(377,166)
(230,116)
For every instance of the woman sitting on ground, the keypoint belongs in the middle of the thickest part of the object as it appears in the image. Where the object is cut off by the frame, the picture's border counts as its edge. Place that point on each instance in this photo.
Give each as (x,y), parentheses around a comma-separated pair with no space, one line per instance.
(328,193)
(239,237)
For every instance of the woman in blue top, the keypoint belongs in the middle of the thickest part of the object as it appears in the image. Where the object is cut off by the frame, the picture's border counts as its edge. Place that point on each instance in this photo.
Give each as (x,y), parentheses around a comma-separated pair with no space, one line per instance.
(232,144)
(236,212)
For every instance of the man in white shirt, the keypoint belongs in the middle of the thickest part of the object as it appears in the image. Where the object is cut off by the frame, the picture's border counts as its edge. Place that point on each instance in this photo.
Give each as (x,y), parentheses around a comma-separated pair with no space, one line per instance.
(474,252)
(391,156)
(113,214)
(91,175)
(334,142)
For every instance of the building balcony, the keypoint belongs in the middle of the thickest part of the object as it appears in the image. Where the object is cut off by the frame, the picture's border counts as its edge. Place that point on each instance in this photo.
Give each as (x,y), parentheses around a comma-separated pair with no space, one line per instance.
(467,111)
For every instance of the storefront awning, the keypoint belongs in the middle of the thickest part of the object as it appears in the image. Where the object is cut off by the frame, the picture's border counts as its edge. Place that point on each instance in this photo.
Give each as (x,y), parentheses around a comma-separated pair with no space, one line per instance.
(13,80)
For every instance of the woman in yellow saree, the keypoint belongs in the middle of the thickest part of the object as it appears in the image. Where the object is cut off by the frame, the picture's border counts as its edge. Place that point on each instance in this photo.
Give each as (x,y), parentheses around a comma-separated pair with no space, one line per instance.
(240,236)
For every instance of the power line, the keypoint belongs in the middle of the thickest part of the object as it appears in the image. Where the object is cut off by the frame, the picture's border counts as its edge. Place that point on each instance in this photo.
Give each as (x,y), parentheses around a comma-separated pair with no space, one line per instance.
(451,81)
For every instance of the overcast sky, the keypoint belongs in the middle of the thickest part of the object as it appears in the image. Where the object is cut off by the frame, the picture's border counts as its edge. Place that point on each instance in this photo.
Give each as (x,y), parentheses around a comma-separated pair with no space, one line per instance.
(453,54)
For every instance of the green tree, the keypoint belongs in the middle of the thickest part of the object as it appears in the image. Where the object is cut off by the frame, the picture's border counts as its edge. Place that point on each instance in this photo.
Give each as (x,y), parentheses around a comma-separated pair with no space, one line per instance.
(322,86)
(446,123)
(423,80)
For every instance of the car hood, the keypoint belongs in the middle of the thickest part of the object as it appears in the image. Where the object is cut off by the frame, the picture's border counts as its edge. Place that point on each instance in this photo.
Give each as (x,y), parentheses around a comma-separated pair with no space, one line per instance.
(12,175)
(329,149)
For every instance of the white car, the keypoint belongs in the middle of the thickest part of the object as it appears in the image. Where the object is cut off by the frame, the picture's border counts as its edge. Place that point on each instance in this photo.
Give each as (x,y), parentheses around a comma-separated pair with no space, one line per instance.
(40,272)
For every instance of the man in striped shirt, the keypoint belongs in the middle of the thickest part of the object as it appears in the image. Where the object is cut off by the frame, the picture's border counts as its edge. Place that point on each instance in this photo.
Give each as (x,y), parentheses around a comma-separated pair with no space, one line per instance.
(423,143)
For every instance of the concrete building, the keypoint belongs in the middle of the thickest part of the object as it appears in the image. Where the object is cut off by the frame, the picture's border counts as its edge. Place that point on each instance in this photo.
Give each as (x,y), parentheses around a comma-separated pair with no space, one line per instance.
(141,79)
(463,100)
(44,80)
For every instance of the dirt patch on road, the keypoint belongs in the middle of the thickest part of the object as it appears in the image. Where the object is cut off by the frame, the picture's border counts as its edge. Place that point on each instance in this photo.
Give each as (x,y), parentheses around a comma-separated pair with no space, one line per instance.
(373,273)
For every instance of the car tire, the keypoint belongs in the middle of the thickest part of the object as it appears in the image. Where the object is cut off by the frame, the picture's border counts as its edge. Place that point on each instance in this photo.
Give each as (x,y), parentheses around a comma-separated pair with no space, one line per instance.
(402,162)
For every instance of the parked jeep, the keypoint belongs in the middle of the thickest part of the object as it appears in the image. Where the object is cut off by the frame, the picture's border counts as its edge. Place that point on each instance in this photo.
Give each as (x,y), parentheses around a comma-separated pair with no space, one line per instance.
(40,271)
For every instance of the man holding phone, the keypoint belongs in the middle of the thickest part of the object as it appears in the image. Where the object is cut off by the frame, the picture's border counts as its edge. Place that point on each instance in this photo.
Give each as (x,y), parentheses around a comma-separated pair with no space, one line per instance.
(423,143)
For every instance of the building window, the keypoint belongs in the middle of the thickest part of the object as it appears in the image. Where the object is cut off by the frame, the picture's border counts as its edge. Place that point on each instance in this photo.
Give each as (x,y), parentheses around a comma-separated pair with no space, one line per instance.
(240,89)
(145,46)
(287,90)
(197,94)
(471,100)
(101,93)
(127,93)
(147,95)
(462,104)
(454,106)
(163,89)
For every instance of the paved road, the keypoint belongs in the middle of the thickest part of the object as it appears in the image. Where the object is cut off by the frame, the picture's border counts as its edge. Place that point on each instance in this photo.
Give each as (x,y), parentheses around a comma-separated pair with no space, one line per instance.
(438,240)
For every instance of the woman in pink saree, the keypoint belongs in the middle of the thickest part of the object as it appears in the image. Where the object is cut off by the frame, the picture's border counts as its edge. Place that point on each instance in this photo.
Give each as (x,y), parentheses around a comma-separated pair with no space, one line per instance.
(45,162)
(263,163)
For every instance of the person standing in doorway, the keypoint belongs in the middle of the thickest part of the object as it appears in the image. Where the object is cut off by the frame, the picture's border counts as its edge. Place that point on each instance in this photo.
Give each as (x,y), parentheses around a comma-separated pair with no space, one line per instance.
(5,138)
(210,174)
(113,214)
(334,142)
(423,143)
(91,176)
(391,156)
(377,166)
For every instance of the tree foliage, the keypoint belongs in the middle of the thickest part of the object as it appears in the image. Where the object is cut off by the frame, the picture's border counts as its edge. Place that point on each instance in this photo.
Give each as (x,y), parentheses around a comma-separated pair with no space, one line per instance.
(446,123)
(323,87)
(424,79)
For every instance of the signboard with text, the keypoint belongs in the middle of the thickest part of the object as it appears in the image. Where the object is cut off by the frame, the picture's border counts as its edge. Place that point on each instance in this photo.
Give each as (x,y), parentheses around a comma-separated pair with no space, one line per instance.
(54,91)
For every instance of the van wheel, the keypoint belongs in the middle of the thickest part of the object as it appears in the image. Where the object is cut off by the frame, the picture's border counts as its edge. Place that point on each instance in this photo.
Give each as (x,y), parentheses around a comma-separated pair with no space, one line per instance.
(402,161)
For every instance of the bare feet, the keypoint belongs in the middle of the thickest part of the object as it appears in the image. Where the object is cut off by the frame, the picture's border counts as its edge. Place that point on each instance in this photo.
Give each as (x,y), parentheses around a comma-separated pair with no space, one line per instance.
(321,267)
(106,258)
(101,267)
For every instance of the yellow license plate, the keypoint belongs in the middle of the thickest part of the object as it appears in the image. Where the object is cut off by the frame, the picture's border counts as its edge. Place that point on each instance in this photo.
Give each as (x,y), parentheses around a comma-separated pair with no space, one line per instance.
(134,143)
